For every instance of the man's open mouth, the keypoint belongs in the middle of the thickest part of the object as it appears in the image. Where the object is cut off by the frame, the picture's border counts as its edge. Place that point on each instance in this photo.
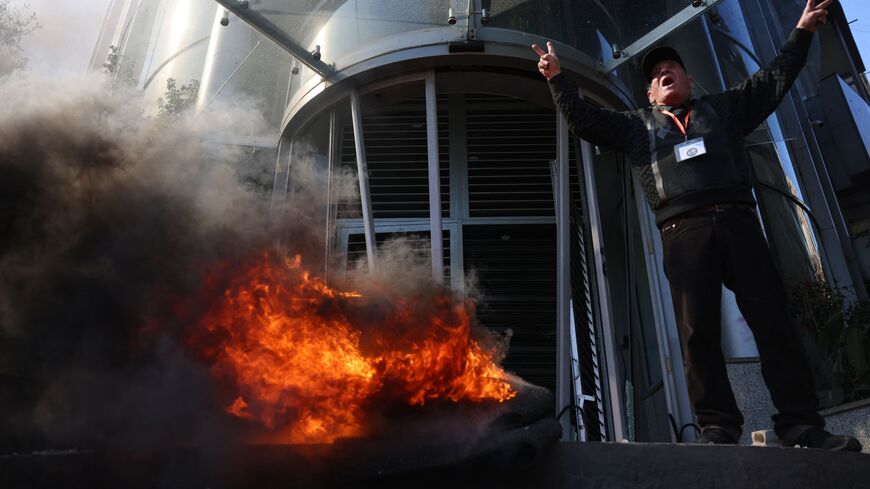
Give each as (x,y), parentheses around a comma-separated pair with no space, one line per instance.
(667,81)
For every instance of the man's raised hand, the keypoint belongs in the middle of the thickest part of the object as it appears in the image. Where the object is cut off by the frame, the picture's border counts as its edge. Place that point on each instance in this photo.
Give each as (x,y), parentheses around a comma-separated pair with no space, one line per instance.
(548,65)
(814,15)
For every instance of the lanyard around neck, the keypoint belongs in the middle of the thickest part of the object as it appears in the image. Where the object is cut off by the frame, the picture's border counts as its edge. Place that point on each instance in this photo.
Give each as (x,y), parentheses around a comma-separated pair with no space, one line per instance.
(683,128)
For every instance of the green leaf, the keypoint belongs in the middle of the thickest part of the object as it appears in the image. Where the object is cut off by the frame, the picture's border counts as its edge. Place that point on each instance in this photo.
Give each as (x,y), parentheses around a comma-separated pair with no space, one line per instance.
(855,351)
(837,376)
(831,332)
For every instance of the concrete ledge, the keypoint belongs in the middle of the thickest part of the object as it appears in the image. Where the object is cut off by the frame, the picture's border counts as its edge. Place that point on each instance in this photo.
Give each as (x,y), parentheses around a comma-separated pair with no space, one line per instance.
(851,419)
(562,465)
(842,408)
(618,466)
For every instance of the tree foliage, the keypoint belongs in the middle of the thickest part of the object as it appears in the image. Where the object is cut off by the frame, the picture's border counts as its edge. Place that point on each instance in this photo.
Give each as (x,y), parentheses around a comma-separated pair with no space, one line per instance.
(15,23)
(837,337)
(177,100)
(113,60)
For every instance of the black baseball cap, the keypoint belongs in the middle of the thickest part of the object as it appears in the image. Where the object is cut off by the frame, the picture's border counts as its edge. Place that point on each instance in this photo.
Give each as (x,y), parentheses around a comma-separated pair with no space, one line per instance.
(656,55)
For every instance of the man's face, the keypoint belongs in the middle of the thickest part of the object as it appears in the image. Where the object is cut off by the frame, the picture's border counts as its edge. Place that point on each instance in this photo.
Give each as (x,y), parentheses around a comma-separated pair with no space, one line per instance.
(670,84)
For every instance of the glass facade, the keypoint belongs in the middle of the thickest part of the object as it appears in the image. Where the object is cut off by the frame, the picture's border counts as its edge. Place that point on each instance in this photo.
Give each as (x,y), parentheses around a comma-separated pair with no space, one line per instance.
(591,26)
(341,27)
(778,188)
(210,64)
(165,40)
(135,41)
(244,69)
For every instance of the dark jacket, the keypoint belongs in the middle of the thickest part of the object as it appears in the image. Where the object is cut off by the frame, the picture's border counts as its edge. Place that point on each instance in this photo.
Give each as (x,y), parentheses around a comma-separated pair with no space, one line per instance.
(648,137)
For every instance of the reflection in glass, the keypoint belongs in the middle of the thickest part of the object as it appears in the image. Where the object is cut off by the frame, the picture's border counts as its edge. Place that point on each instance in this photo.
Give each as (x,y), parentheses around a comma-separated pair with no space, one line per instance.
(592,26)
(788,227)
(135,42)
(165,40)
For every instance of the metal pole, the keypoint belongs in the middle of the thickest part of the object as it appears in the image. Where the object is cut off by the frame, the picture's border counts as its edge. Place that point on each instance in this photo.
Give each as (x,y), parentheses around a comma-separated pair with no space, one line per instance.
(458,156)
(289,168)
(330,168)
(434,180)
(563,274)
(363,172)
(276,195)
(578,392)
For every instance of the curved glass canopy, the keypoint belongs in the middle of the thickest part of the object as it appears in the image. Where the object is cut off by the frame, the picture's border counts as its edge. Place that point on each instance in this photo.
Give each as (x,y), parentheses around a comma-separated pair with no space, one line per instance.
(609,31)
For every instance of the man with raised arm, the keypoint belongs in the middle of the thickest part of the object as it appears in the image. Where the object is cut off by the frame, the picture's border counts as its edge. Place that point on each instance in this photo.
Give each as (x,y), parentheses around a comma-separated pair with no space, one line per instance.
(688,155)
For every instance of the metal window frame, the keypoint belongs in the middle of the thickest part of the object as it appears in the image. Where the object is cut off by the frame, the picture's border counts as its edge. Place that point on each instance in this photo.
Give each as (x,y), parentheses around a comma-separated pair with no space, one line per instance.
(458,161)
(436,243)
(832,232)
(363,175)
(670,354)
(569,351)
(670,347)
(282,171)
(331,209)
(564,364)
(346,227)
(613,391)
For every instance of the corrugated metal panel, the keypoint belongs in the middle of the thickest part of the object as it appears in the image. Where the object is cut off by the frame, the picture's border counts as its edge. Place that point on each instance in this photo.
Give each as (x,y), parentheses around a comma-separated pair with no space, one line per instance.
(510,145)
(590,371)
(356,248)
(515,267)
(397,159)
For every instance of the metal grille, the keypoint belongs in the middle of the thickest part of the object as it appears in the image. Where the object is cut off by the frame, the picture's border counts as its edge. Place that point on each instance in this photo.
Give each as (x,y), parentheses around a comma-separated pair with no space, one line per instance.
(591,398)
(421,240)
(581,295)
(584,353)
(397,159)
(510,145)
(515,267)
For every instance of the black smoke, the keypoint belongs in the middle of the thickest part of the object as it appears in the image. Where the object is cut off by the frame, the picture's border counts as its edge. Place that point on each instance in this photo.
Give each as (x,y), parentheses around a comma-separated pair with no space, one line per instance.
(109,220)
(118,232)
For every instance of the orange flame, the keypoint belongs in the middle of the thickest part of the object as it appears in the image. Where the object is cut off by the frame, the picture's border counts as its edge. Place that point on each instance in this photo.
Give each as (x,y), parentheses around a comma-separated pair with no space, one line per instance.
(304,360)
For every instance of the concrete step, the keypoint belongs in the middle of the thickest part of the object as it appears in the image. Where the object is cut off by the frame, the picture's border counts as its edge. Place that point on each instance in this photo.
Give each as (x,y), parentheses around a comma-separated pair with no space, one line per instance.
(656,465)
(562,465)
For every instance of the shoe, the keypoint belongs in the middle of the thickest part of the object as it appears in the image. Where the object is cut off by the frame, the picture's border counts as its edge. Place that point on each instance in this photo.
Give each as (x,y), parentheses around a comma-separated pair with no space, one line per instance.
(719,435)
(816,437)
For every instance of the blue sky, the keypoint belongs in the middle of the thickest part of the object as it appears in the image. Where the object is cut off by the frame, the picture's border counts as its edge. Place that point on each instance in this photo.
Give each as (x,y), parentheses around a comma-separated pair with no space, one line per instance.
(860,10)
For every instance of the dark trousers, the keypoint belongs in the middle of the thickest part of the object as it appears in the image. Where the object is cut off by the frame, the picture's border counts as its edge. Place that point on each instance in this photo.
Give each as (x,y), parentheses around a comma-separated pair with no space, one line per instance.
(701,252)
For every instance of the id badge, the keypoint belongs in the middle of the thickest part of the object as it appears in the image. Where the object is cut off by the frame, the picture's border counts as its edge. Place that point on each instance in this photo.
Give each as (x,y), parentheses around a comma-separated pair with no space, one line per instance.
(690,149)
